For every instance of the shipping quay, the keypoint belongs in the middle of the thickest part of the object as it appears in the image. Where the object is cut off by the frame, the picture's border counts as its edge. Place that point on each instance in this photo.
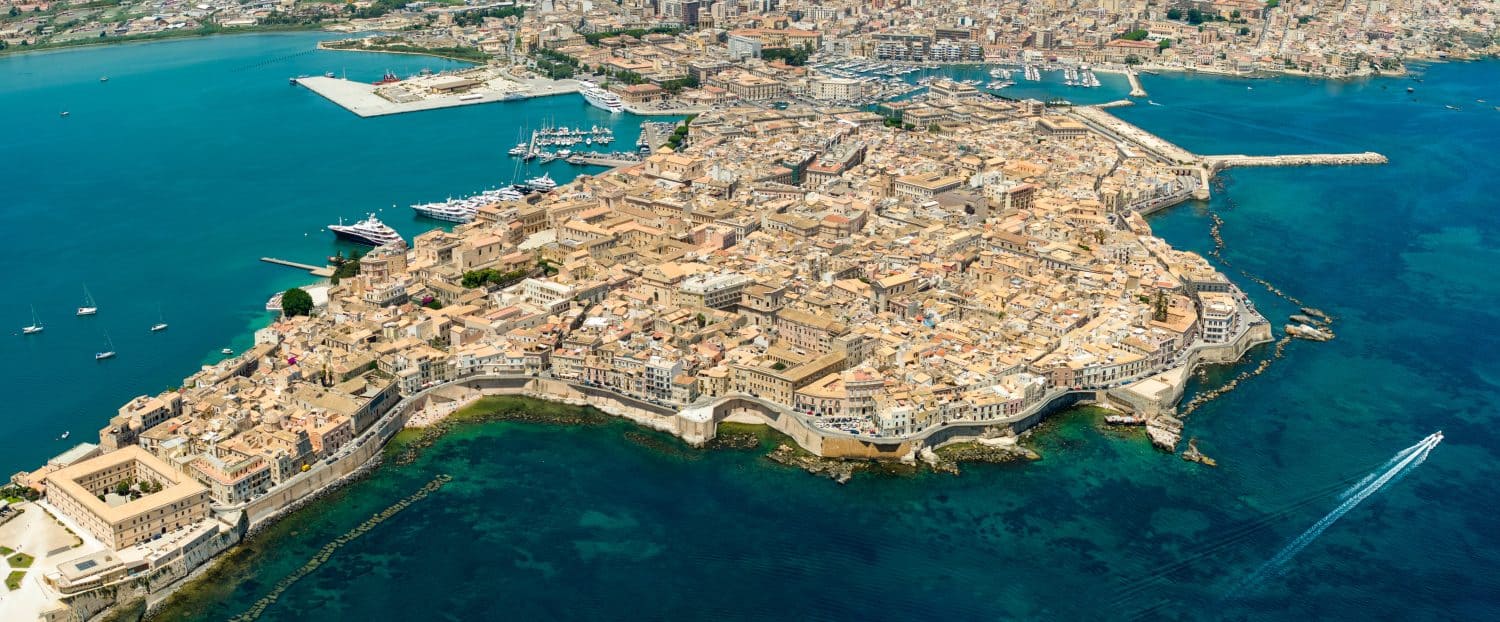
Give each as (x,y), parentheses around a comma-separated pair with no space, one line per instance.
(431,92)
(1131,137)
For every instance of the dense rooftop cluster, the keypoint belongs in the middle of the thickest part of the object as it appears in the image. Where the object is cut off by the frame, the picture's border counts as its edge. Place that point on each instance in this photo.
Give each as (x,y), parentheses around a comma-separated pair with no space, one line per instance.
(876,281)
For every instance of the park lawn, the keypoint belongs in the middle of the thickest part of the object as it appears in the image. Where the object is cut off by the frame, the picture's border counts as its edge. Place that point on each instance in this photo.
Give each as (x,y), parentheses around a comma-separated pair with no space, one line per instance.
(13,580)
(21,560)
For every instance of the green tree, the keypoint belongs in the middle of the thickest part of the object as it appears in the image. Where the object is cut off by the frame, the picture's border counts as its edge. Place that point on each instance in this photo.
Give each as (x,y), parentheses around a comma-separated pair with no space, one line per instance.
(1271,4)
(702,321)
(778,366)
(122,487)
(345,269)
(1174,13)
(1163,44)
(1132,60)
(296,301)
(1135,35)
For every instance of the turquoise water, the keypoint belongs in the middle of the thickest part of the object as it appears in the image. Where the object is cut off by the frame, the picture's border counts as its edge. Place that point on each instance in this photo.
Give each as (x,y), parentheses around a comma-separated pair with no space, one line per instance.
(588,523)
(165,185)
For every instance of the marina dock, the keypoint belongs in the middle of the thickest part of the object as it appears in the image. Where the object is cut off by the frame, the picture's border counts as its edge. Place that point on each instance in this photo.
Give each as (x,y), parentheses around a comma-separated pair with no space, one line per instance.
(321,272)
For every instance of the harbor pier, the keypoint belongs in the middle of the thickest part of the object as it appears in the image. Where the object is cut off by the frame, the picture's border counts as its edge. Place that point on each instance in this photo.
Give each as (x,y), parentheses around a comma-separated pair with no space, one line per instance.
(317,271)
(369,100)
(1221,162)
(1204,167)
(1135,83)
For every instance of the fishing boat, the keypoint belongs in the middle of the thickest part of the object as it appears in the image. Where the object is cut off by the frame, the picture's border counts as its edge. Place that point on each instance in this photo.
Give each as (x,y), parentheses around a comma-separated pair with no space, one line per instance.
(226,351)
(65,435)
(89,307)
(108,352)
(36,324)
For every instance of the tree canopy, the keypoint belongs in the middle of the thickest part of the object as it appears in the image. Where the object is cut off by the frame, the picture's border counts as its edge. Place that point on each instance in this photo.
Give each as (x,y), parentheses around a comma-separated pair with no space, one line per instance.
(296,301)
(489,276)
(795,57)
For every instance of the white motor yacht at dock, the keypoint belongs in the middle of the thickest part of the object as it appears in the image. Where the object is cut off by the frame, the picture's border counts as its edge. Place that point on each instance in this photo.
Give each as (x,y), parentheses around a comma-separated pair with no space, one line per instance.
(464,209)
(600,98)
(369,231)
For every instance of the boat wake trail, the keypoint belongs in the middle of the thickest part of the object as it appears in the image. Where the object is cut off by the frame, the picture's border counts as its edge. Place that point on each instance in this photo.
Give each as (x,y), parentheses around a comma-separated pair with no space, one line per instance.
(1403,463)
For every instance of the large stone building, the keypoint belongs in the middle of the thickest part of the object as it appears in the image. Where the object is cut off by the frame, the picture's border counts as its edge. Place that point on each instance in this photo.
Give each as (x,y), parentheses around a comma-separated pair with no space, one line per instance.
(120,521)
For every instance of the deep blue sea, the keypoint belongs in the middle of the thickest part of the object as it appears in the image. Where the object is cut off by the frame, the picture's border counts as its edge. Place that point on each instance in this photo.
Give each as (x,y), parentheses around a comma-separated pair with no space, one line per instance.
(166,183)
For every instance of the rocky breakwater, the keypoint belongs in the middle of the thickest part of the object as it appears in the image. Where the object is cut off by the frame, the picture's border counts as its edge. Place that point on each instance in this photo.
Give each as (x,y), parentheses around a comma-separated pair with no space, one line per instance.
(836,469)
(1165,431)
(996,450)
(1312,324)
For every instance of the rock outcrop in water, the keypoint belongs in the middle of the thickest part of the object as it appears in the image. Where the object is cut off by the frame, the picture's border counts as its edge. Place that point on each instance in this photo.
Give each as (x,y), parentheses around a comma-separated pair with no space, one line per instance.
(1165,431)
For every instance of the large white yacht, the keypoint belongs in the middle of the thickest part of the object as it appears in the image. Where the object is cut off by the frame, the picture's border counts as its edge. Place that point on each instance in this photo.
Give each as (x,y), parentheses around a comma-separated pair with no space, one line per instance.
(368,231)
(599,97)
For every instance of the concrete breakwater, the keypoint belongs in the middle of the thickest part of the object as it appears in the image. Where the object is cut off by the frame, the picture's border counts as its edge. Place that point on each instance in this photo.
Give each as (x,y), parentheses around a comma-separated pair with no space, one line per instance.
(1136,90)
(1221,162)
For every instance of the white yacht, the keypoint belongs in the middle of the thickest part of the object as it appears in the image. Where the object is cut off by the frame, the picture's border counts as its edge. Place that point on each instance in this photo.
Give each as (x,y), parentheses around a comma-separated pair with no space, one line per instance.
(161,322)
(599,97)
(36,324)
(542,184)
(89,307)
(369,231)
(464,209)
(450,211)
